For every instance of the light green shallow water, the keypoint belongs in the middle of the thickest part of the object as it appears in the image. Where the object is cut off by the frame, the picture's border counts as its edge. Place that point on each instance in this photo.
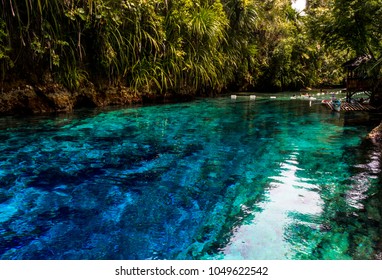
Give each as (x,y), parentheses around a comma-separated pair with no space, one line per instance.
(210,179)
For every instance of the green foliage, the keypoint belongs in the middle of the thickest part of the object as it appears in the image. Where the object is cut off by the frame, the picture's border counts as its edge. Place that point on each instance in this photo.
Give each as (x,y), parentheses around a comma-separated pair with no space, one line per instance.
(349,28)
(72,76)
(5,60)
(154,46)
(284,48)
(241,47)
(186,46)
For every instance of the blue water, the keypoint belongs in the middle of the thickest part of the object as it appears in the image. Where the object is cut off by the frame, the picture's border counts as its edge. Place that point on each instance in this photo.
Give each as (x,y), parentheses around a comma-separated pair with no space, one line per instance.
(209,179)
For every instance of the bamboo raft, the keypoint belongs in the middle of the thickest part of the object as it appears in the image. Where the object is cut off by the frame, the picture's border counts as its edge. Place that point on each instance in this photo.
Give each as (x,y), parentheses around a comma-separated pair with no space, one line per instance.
(346,106)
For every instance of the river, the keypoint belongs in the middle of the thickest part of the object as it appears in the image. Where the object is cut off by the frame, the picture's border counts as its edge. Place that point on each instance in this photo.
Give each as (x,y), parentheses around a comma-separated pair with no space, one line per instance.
(271,178)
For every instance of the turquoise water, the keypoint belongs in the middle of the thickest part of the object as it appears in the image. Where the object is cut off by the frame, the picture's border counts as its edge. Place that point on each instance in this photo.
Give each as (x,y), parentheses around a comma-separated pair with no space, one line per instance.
(209,179)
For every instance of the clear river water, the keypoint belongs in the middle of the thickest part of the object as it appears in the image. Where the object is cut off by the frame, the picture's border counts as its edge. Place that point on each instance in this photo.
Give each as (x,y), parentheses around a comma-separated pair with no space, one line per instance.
(271,178)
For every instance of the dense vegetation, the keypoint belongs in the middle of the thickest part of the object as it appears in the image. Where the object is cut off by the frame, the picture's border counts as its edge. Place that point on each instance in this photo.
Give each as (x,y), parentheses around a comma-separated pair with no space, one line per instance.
(349,27)
(186,46)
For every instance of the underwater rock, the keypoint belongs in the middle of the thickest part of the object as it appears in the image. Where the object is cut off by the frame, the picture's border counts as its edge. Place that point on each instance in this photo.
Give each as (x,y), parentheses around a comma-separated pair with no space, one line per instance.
(325,227)
(4,196)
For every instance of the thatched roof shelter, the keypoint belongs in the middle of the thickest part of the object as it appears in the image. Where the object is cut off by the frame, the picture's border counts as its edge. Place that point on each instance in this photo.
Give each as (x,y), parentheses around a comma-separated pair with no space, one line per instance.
(356,65)
(359,79)
(356,62)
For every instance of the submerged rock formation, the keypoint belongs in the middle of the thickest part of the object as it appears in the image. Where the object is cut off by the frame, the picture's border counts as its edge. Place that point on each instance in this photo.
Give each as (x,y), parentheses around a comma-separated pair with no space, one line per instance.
(55,98)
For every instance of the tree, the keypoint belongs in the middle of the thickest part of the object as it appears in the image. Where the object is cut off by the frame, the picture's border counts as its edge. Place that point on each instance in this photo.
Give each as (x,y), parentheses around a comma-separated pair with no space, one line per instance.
(354,26)
(181,46)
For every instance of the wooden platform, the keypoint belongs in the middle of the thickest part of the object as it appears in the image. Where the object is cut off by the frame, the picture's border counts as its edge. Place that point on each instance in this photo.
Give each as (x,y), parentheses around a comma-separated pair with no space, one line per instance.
(345,106)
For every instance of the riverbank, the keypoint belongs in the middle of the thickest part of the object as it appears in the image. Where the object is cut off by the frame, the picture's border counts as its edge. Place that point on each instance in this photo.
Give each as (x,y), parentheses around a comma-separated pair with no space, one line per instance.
(376,135)
(21,98)
(25,99)
(52,97)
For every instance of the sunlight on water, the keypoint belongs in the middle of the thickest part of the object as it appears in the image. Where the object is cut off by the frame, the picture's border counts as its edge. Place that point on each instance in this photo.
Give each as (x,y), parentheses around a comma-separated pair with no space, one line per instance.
(209,179)
(264,237)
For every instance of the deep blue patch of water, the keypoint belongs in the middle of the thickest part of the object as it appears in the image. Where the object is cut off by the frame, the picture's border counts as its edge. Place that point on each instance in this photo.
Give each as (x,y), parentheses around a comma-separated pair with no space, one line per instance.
(208,179)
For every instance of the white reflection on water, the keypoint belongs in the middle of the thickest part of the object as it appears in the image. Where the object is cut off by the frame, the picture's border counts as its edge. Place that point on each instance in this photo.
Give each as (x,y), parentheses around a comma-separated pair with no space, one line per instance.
(361,181)
(264,237)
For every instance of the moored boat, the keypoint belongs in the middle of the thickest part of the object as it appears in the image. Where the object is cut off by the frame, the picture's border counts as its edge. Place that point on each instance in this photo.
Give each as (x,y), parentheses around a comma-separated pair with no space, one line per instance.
(336,105)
